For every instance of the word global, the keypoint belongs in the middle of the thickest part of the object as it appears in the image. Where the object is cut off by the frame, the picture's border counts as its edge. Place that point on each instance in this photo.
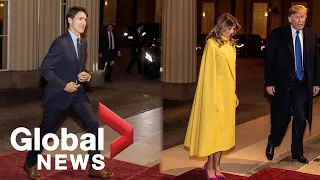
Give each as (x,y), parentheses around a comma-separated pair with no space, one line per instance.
(88,142)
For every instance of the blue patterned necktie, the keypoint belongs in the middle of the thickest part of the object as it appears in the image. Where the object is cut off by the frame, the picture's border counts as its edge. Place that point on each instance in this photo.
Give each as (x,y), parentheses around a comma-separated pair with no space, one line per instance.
(298,55)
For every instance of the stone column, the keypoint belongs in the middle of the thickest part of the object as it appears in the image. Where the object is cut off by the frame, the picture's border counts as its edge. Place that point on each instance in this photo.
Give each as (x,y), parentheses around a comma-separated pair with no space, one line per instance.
(179,61)
(23,40)
(49,25)
(92,30)
(4,11)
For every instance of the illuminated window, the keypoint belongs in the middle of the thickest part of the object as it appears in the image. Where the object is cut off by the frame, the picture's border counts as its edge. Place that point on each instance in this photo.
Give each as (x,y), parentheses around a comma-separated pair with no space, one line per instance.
(260,19)
(4,24)
(110,12)
(63,25)
(207,17)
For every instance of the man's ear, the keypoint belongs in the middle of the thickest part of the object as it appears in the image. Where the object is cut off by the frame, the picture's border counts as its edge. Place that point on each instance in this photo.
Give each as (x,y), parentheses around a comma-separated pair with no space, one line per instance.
(69,20)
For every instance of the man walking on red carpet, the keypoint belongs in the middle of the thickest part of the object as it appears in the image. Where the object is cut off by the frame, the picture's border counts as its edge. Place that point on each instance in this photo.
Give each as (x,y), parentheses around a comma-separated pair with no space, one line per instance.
(63,69)
(292,77)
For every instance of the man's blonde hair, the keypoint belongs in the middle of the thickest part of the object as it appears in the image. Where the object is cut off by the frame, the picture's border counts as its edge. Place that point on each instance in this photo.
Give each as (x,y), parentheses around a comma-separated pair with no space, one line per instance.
(294,9)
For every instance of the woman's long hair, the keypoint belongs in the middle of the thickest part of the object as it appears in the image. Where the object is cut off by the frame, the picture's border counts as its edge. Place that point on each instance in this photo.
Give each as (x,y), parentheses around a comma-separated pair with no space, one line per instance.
(225,21)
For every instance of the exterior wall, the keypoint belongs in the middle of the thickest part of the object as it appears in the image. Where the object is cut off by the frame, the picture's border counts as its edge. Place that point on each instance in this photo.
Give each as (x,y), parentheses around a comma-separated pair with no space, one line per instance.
(28,49)
(40,22)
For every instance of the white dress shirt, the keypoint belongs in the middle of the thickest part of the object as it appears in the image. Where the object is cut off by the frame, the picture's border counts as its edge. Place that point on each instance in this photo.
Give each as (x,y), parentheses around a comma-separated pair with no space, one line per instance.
(111,40)
(294,34)
(74,40)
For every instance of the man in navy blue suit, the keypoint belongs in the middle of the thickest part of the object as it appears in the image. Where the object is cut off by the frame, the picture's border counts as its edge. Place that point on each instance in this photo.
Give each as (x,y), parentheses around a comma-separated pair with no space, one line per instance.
(63,69)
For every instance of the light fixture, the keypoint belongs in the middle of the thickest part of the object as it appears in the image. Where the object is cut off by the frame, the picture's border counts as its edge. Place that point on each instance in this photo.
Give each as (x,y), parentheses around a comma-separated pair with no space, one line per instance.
(1,5)
(270,9)
(106,3)
(204,14)
(266,14)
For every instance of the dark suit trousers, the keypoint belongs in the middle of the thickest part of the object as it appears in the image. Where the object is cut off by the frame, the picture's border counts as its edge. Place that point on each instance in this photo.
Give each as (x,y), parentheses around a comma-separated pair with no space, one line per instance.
(294,102)
(136,57)
(52,118)
(109,68)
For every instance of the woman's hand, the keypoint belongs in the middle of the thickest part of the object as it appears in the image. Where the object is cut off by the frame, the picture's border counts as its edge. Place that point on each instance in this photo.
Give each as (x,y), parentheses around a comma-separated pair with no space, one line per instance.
(237,101)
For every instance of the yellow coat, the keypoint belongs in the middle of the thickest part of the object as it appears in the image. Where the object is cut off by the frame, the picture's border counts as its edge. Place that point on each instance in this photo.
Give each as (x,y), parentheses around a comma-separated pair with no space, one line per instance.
(211,125)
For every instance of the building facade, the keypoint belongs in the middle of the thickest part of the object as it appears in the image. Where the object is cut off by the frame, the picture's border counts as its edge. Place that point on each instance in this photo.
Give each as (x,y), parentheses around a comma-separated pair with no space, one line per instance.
(28,27)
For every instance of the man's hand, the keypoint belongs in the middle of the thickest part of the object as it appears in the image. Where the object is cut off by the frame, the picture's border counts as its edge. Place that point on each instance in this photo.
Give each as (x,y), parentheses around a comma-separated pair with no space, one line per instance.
(237,101)
(83,76)
(271,90)
(315,90)
(119,54)
(71,87)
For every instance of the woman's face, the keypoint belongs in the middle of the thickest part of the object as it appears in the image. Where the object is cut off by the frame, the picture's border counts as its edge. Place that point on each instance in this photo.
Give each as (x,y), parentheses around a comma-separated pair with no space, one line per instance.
(229,31)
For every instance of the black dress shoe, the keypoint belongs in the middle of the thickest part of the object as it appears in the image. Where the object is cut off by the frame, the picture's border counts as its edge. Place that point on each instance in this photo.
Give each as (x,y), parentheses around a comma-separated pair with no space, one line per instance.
(301,159)
(270,151)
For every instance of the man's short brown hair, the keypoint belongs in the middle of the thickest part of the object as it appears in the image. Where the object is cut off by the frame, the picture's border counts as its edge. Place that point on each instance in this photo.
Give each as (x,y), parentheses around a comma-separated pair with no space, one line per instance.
(294,9)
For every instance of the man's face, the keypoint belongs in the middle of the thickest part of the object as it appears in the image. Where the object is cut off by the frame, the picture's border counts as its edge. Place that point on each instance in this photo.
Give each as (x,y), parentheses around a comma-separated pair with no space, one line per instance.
(141,28)
(110,28)
(298,20)
(78,23)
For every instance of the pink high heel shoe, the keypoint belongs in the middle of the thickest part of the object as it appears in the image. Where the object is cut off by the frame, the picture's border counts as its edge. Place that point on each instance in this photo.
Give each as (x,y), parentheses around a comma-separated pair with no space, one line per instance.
(221,176)
(209,178)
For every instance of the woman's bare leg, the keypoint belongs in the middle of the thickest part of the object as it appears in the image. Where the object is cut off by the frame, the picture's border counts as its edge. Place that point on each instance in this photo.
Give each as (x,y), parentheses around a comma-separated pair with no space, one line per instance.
(211,169)
(216,165)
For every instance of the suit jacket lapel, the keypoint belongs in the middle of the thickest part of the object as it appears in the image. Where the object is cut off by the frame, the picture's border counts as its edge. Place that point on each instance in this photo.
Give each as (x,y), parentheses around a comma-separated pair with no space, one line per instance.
(81,52)
(73,51)
(71,46)
(305,45)
(290,40)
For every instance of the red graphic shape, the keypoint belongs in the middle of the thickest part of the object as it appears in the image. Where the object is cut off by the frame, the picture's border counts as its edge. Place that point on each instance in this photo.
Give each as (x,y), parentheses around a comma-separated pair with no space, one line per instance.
(119,125)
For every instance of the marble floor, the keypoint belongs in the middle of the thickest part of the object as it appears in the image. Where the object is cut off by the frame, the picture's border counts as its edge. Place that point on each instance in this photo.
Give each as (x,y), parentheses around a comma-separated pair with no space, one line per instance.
(147,146)
(248,156)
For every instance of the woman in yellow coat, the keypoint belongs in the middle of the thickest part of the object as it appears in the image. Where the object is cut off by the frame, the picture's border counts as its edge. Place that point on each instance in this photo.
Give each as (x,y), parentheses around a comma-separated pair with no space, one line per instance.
(211,127)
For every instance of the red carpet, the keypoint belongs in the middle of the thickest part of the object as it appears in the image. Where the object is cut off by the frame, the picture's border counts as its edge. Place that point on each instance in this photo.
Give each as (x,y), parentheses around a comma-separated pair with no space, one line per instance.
(265,174)
(11,169)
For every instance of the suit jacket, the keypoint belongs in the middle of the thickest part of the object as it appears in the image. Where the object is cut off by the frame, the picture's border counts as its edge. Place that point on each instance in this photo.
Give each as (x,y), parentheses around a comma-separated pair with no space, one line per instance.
(59,67)
(104,45)
(137,41)
(280,62)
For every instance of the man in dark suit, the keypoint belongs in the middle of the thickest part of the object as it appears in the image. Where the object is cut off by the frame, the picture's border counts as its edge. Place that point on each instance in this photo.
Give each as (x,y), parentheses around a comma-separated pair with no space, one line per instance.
(63,69)
(292,77)
(136,49)
(109,50)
